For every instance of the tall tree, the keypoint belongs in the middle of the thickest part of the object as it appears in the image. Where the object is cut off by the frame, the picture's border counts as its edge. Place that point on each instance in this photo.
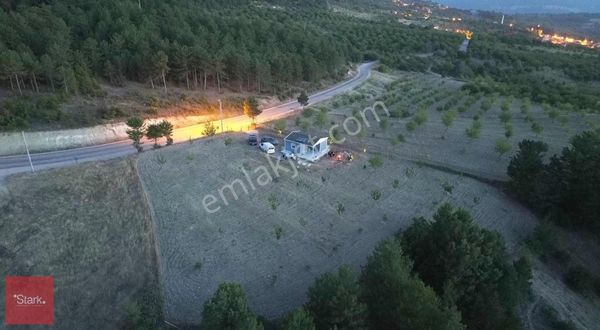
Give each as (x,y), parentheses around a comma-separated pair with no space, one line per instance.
(299,320)
(333,301)
(228,310)
(250,108)
(397,299)
(466,265)
(526,168)
(161,65)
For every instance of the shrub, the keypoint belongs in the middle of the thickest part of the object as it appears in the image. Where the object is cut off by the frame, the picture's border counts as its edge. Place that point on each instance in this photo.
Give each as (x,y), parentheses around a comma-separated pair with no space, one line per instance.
(280,125)
(579,279)
(273,201)
(376,194)
(278,232)
(421,117)
(209,129)
(308,112)
(384,124)
(474,131)
(448,187)
(542,240)
(376,161)
(508,130)
(340,208)
(537,128)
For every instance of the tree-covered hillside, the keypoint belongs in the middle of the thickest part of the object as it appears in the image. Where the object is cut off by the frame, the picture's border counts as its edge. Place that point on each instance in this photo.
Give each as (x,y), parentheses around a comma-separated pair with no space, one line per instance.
(72,47)
(69,44)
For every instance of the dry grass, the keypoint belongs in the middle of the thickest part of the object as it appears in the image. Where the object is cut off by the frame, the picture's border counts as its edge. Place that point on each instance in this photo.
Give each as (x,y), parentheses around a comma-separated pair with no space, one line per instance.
(277,252)
(89,227)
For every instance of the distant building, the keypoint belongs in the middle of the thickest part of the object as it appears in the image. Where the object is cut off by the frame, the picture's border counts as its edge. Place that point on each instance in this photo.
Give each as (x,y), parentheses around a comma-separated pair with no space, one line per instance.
(305,147)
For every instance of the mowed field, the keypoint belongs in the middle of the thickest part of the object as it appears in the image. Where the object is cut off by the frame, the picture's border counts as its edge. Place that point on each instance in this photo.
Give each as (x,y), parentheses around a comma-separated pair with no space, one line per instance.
(89,227)
(276,239)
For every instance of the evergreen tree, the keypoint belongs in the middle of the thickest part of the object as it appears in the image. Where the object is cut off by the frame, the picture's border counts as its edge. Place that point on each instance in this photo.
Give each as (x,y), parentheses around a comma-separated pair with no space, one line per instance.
(397,299)
(250,108)
(136,131)
(228,310)
(299,320)
(333,301)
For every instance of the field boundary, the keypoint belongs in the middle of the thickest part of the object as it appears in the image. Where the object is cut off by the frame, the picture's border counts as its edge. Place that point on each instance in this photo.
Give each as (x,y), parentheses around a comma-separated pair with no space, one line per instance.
(152,238)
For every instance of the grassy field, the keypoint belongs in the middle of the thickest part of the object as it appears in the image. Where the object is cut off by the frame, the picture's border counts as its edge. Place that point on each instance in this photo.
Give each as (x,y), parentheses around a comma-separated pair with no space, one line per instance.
(89,227)
(279,237)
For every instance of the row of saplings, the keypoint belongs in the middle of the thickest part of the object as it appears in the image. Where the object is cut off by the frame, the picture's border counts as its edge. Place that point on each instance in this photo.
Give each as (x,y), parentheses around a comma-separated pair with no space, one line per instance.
(441,274)
(138,129)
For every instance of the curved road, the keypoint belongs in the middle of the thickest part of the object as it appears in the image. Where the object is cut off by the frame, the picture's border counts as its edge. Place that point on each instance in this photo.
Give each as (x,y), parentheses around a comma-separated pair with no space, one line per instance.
(20,163)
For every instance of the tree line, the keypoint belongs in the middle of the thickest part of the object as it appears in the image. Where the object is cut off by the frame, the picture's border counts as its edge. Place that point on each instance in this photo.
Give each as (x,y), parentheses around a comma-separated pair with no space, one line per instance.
(521,66)
(565,188)
(441,274)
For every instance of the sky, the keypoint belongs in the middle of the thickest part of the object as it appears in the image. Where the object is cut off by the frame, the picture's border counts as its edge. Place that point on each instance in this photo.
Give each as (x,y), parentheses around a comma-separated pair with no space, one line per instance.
(527,6)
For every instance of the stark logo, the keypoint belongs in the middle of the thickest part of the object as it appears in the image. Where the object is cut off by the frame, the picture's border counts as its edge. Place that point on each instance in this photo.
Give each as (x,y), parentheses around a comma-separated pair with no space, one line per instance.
(29,300)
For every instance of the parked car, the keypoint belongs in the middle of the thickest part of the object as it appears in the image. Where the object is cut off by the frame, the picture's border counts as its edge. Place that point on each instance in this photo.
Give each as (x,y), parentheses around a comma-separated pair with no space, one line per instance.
(267,147)
(270,139)
(252,139)
(286,154)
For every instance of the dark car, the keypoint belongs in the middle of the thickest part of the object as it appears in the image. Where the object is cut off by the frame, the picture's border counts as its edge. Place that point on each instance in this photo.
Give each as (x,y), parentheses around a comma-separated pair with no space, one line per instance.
(252,140)
(269,139)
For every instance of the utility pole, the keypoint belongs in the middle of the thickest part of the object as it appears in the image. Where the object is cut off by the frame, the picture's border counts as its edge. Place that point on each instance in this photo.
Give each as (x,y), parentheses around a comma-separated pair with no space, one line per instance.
(28,155)
(221,111)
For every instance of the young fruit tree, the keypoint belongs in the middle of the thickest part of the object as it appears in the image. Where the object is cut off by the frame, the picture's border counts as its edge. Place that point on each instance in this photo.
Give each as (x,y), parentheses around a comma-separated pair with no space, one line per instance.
(502,147)
(448,119)
(209,129)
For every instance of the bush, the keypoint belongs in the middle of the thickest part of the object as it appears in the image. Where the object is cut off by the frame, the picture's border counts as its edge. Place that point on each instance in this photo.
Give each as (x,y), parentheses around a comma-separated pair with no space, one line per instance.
(580,279)
(376,161)
(376,194)
(542,241)
(280,125)
(308,112)
(209,129)
(474,131)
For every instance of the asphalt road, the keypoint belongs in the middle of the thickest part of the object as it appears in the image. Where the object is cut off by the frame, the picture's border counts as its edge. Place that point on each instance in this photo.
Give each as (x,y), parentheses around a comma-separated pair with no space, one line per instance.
(20,163)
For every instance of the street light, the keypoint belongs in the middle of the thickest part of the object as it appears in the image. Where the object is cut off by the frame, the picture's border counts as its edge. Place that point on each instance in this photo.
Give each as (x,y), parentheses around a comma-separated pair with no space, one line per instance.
(221,111)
